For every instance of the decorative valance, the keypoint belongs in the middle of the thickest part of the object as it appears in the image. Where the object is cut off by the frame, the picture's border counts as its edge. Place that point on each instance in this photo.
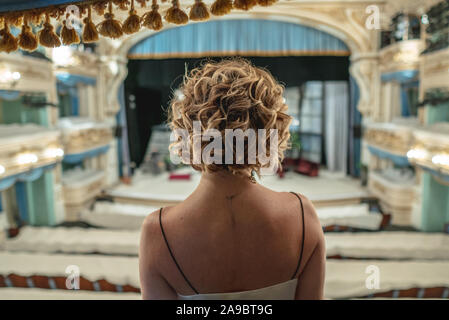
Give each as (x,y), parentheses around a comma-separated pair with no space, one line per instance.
(46,16)
(254,37)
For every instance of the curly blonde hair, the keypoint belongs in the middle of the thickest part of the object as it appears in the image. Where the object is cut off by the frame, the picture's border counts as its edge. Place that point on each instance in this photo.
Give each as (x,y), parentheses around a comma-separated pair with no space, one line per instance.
(231,94)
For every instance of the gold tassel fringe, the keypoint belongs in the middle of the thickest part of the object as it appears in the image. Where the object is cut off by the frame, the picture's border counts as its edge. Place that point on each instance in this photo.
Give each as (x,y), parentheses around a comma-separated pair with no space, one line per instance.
(121,4)
(152,19)
(100,7)
(90,33)
(132,23)
(221,7)
(199,11)
(110,27)
(69,35)
(14,19)
(244,4)
(27,40)
(8,42)
(266,3)
(47,37)
(175,15)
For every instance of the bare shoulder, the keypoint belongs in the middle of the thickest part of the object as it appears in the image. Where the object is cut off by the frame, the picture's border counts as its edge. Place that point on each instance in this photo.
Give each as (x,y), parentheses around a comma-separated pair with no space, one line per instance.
(149,236)
(309,211)
(150,226)
(313,228)
(153,284)
(151,229)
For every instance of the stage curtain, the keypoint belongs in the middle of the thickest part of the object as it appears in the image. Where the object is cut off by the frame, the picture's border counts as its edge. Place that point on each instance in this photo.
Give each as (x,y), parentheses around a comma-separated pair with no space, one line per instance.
(255,37)
(355,123)
(336,124)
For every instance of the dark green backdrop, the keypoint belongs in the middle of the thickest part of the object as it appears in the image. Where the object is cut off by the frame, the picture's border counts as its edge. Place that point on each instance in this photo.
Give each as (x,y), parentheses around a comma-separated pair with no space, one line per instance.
(151,82)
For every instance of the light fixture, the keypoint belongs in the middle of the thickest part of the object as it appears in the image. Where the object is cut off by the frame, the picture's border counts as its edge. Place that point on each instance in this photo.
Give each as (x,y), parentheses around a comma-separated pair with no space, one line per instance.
(63,56)
(26,158)
(441,159)
(2,170)
(113,67)
(417,153)
(54,153)
(8,76)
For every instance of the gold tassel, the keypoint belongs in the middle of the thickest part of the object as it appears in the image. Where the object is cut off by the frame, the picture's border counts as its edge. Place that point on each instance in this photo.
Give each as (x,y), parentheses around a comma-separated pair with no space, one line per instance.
(175,15)
(37,19)
(47,37)
(33,16)
(221,7)
(265,3)
(199,11)
(14,18)
(90,33)
(152,19)
(132,23)
(100,7)
(27,40)
(110,27)
(244,4)
(55,12)
(8,42)
(121,4)
(69,35)
(83,9)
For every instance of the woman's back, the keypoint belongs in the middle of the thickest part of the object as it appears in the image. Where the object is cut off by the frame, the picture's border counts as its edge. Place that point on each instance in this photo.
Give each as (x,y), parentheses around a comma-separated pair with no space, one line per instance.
(233,236)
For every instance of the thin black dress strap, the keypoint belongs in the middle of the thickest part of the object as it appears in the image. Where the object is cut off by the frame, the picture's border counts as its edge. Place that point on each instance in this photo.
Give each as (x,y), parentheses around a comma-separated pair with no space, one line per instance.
(171,253)
(303,235)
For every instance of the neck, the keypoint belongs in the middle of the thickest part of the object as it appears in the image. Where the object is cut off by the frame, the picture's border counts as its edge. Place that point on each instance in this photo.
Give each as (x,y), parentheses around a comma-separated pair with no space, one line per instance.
(228,183)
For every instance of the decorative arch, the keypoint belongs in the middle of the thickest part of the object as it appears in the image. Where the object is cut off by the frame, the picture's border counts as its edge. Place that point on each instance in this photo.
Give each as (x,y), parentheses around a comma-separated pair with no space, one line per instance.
(344,20)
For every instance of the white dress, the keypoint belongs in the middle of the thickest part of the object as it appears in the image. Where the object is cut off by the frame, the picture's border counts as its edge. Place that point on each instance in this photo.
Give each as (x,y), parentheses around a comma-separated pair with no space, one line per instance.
(281,291)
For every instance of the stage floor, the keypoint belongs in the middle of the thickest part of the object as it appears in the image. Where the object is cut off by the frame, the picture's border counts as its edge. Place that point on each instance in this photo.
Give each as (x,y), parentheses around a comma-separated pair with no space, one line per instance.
(157,190)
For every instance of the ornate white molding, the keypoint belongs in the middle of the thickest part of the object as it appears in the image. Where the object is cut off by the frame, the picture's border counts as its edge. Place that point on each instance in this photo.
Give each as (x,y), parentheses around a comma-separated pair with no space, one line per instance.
(403,55)
(27,146)
(36,75)
(434,71)
(431,147)
(394,137)
(366,72)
